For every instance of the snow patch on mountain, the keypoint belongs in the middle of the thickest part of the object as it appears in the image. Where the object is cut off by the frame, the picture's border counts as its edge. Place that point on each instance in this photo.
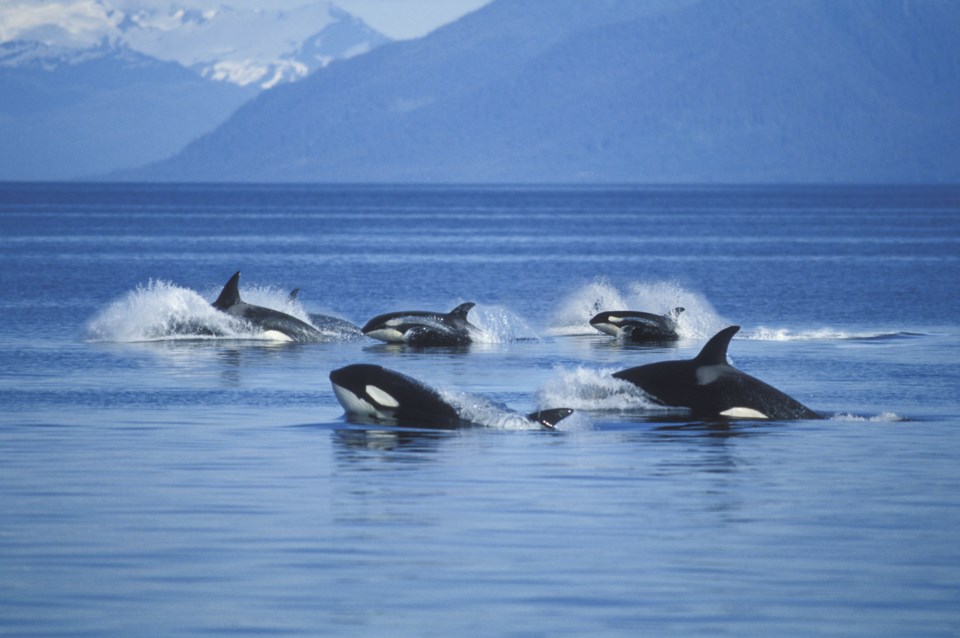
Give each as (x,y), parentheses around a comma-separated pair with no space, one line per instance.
(239,45)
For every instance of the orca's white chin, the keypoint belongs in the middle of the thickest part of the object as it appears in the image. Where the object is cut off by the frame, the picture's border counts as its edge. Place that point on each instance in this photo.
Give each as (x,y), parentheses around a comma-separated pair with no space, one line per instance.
(276,335)
(390,335)
(353,404)
(607,328)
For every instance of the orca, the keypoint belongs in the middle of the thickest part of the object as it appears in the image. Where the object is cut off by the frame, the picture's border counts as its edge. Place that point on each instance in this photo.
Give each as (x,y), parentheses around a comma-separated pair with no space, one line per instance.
(711,388)
(633,325)
(330,324)
(423,328)
(273,323)
(374,392)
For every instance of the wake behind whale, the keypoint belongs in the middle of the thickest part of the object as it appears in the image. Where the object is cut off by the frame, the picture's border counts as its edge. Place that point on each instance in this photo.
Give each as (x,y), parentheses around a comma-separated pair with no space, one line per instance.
(163,311)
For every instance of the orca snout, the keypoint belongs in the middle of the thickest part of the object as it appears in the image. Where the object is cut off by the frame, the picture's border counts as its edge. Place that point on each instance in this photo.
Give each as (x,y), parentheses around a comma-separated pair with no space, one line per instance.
(353,377)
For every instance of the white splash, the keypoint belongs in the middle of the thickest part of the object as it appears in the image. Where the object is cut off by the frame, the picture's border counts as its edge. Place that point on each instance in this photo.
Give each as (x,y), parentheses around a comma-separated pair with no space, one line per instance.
(161,310)
(883,417)
(487,413)
(698,321)
(593,389)
(763,333)
(499,325)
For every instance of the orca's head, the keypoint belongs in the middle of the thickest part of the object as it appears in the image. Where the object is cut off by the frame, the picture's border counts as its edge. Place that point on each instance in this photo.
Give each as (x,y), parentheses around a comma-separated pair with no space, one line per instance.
(386,327)
(372,391)
(607,322)
(368,390)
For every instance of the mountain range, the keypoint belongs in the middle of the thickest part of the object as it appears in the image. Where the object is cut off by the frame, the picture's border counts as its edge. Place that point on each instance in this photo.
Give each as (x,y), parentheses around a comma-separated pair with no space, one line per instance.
(108,89)
(629,91)
(230,42)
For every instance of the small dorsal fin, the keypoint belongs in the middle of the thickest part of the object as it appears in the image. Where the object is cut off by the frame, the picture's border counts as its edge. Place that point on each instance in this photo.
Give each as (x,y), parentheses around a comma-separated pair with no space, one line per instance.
(230,295)
(461,311)
(294,293)
(715,352)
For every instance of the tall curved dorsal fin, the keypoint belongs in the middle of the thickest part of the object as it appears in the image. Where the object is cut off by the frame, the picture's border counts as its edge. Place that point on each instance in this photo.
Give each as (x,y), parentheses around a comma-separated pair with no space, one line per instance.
(230,295)
(462,310)
(715,352)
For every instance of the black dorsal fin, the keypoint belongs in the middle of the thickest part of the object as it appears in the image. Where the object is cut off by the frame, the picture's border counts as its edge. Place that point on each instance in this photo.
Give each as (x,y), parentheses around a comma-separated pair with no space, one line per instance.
(715,352)
(230,295)
(677,311)
(294,293)
(461,311)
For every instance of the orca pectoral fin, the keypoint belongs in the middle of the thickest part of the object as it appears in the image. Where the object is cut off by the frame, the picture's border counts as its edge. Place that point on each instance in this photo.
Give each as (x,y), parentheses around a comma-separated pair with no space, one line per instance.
(230,295)
(550,418)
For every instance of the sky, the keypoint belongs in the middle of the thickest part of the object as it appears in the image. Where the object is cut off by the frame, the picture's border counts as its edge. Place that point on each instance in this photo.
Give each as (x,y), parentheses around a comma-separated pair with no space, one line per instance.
(397,19)
(403,19)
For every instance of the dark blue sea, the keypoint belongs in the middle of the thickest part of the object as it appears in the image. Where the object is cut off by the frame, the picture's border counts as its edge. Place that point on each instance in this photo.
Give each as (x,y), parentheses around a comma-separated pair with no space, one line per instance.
(154,483)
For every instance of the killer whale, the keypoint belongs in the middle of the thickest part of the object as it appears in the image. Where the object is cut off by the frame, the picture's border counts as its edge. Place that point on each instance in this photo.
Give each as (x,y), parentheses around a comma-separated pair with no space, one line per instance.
(271,322)
(711,388)
(381,394)
(423,328)
(633,325)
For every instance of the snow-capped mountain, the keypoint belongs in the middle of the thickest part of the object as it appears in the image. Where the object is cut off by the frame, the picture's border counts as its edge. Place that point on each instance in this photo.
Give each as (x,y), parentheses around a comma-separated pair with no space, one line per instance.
(243,46)
(246,46)
(66,112)
(88,87)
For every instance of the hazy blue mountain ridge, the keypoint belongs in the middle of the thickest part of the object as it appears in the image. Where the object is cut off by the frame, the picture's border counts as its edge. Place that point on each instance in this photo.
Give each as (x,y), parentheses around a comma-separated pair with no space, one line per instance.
(75,109)
(714,91)
(65,114)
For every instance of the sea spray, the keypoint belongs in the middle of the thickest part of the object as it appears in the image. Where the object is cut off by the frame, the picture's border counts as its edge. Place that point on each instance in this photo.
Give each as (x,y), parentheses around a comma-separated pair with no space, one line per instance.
(487,413)
(593,389)
(161,310)
(575,311)
(698,321)
(499,325)
(883,417)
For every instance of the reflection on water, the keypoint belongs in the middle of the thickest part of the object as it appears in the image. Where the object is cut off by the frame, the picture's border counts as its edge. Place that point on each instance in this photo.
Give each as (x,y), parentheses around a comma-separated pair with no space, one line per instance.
(352,444)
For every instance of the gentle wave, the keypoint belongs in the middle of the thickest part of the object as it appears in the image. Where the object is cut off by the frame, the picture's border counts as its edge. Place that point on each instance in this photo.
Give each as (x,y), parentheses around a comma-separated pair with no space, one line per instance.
(883,417)
(822,334)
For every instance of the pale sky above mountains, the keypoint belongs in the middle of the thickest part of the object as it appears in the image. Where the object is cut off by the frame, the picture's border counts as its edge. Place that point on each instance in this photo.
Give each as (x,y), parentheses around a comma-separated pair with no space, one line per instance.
(397,19)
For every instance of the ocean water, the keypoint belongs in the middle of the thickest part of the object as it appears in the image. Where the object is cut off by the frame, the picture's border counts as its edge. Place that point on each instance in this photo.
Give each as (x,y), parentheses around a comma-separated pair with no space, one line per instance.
(153,484)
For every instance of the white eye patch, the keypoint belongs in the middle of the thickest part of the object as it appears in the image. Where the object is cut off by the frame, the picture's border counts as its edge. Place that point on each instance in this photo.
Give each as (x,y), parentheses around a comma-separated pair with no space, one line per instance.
(744,413)
(381,397)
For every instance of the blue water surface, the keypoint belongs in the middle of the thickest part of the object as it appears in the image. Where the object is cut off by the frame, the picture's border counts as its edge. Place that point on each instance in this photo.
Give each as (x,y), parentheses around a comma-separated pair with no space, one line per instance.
(152,484)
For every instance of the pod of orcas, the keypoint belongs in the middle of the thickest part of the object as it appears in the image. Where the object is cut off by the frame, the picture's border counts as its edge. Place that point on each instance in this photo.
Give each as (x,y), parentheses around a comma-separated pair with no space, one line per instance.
(706,385)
